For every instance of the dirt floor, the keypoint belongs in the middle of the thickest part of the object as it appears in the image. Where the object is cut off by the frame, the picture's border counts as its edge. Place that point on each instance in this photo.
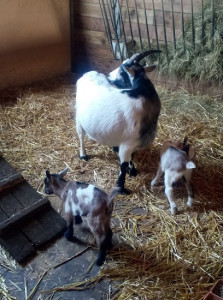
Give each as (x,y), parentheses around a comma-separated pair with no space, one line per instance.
(155,255)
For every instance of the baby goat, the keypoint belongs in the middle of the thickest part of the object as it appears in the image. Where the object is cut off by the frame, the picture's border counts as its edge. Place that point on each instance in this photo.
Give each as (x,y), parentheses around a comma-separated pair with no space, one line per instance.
(175,163)
(116,117)
(82,199)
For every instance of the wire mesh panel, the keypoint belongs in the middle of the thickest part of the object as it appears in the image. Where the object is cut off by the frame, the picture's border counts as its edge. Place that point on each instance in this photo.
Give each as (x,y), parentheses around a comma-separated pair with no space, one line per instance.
(134,25)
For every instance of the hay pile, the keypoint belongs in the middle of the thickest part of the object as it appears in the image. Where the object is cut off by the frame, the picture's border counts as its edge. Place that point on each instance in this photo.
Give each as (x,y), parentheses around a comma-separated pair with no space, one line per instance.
(200,62)
(157,256)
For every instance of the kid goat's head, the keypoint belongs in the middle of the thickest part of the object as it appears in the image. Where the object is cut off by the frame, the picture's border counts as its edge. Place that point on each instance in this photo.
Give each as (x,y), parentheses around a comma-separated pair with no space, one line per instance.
(52,181)
(123,76)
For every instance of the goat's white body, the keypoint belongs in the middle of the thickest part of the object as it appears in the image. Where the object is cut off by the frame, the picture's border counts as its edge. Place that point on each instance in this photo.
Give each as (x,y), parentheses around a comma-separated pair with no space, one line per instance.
(84,196)
(98,99)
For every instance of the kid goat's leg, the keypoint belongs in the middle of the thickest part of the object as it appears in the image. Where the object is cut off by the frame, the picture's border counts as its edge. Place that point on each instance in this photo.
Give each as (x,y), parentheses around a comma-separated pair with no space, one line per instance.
(69,231)
(190,191)
(169,191)
(103,237)
(159,174)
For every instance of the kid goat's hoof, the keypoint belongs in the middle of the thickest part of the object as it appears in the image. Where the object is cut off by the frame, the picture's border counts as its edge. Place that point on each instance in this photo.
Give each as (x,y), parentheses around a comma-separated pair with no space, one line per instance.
(68,235)
(78,220)
(124,191)
(85,157)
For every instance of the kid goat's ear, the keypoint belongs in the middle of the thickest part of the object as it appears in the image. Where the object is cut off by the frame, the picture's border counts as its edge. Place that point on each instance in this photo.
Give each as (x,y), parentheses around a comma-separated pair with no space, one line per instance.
(64,172)
(47,173)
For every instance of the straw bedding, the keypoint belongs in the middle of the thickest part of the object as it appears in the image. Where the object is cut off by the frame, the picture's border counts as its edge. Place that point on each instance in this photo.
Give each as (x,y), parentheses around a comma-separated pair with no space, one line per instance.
(156,255)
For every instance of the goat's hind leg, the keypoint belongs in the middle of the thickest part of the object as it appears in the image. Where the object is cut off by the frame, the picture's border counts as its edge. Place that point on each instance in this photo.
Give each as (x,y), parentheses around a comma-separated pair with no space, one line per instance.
(81,135)
(189,187)
(169,193)
(159,174)
(132,171)
(125,152)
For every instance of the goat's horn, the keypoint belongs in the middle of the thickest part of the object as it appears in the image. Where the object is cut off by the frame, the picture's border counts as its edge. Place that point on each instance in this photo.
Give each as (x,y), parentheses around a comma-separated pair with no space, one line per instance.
(138,56)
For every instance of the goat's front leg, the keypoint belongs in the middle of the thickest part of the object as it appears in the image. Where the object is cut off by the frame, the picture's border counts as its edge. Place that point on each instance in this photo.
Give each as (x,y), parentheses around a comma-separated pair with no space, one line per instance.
(189,187)
(69,231)
(169,193)
(124,155)
(81,135)
(159,174)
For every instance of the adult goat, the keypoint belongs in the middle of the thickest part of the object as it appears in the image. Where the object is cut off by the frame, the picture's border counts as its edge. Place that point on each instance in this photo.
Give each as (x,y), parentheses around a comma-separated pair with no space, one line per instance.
(120,110)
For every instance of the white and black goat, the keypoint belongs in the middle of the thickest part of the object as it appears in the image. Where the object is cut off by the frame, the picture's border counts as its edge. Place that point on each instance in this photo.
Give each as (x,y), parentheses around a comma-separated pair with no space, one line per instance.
(82,199)
(119,111)
(175,163)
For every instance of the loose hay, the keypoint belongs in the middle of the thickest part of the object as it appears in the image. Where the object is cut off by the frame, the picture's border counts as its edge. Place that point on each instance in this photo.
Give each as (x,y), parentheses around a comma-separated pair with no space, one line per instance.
(157,256)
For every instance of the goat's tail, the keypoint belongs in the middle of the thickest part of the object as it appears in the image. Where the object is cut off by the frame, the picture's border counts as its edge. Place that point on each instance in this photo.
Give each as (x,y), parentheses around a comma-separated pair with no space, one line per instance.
(112,194)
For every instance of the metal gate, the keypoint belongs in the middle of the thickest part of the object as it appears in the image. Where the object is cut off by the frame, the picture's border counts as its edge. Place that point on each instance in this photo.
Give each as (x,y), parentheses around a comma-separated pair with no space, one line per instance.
(134,25)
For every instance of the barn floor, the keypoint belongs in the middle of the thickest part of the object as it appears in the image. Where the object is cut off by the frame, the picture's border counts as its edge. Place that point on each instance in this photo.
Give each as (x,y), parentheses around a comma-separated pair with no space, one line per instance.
(156,255)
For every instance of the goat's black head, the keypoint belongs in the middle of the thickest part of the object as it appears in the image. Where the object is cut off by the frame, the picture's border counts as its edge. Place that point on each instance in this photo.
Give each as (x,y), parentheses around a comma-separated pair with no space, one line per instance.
(122,77)
(52,181)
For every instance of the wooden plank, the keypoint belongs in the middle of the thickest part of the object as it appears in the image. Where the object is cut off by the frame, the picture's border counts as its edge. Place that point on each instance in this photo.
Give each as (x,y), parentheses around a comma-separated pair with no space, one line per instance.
(17,245)
(91,23)
(44,227)
(8,175)
(167,5)
(93,50)
(26,194)
(3,215)
(9,204)
(15,219)
(92,37)
(99,64)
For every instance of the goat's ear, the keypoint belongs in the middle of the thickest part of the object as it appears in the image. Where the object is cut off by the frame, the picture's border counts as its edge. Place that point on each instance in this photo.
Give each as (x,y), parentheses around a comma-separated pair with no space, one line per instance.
(191,153)
(185,142)
(130,71)
(64,172)
(150,68)
(190,165)
(47,173)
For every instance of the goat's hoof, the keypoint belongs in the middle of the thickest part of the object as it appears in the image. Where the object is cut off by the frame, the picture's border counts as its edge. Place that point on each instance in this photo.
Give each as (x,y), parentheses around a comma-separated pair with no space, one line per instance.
(153,182)
(133,172)
(100,261)
(115,149)
(174,211)
(124,191)
(109,246)
(84,157)
(78,220)
(68,236)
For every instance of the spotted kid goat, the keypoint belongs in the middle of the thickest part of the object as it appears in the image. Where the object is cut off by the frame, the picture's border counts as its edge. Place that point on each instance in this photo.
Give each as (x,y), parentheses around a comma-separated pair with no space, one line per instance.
(175,163)
(82,199)
(120,111)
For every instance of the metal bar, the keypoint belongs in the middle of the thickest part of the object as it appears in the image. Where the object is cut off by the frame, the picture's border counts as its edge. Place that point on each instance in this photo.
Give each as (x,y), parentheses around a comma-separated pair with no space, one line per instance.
(173,26)
(106,23)
(137,17)
(72,35)
(182,20)
(192,24)
(212,31)
(202,23)
(154,16)
(164,28)
(115,30)
(147,26)
(123,29)
(130,24)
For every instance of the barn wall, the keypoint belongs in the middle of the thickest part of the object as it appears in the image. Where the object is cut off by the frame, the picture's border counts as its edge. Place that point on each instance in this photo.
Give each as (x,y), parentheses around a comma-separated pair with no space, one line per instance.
(92,48)
(34,40)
